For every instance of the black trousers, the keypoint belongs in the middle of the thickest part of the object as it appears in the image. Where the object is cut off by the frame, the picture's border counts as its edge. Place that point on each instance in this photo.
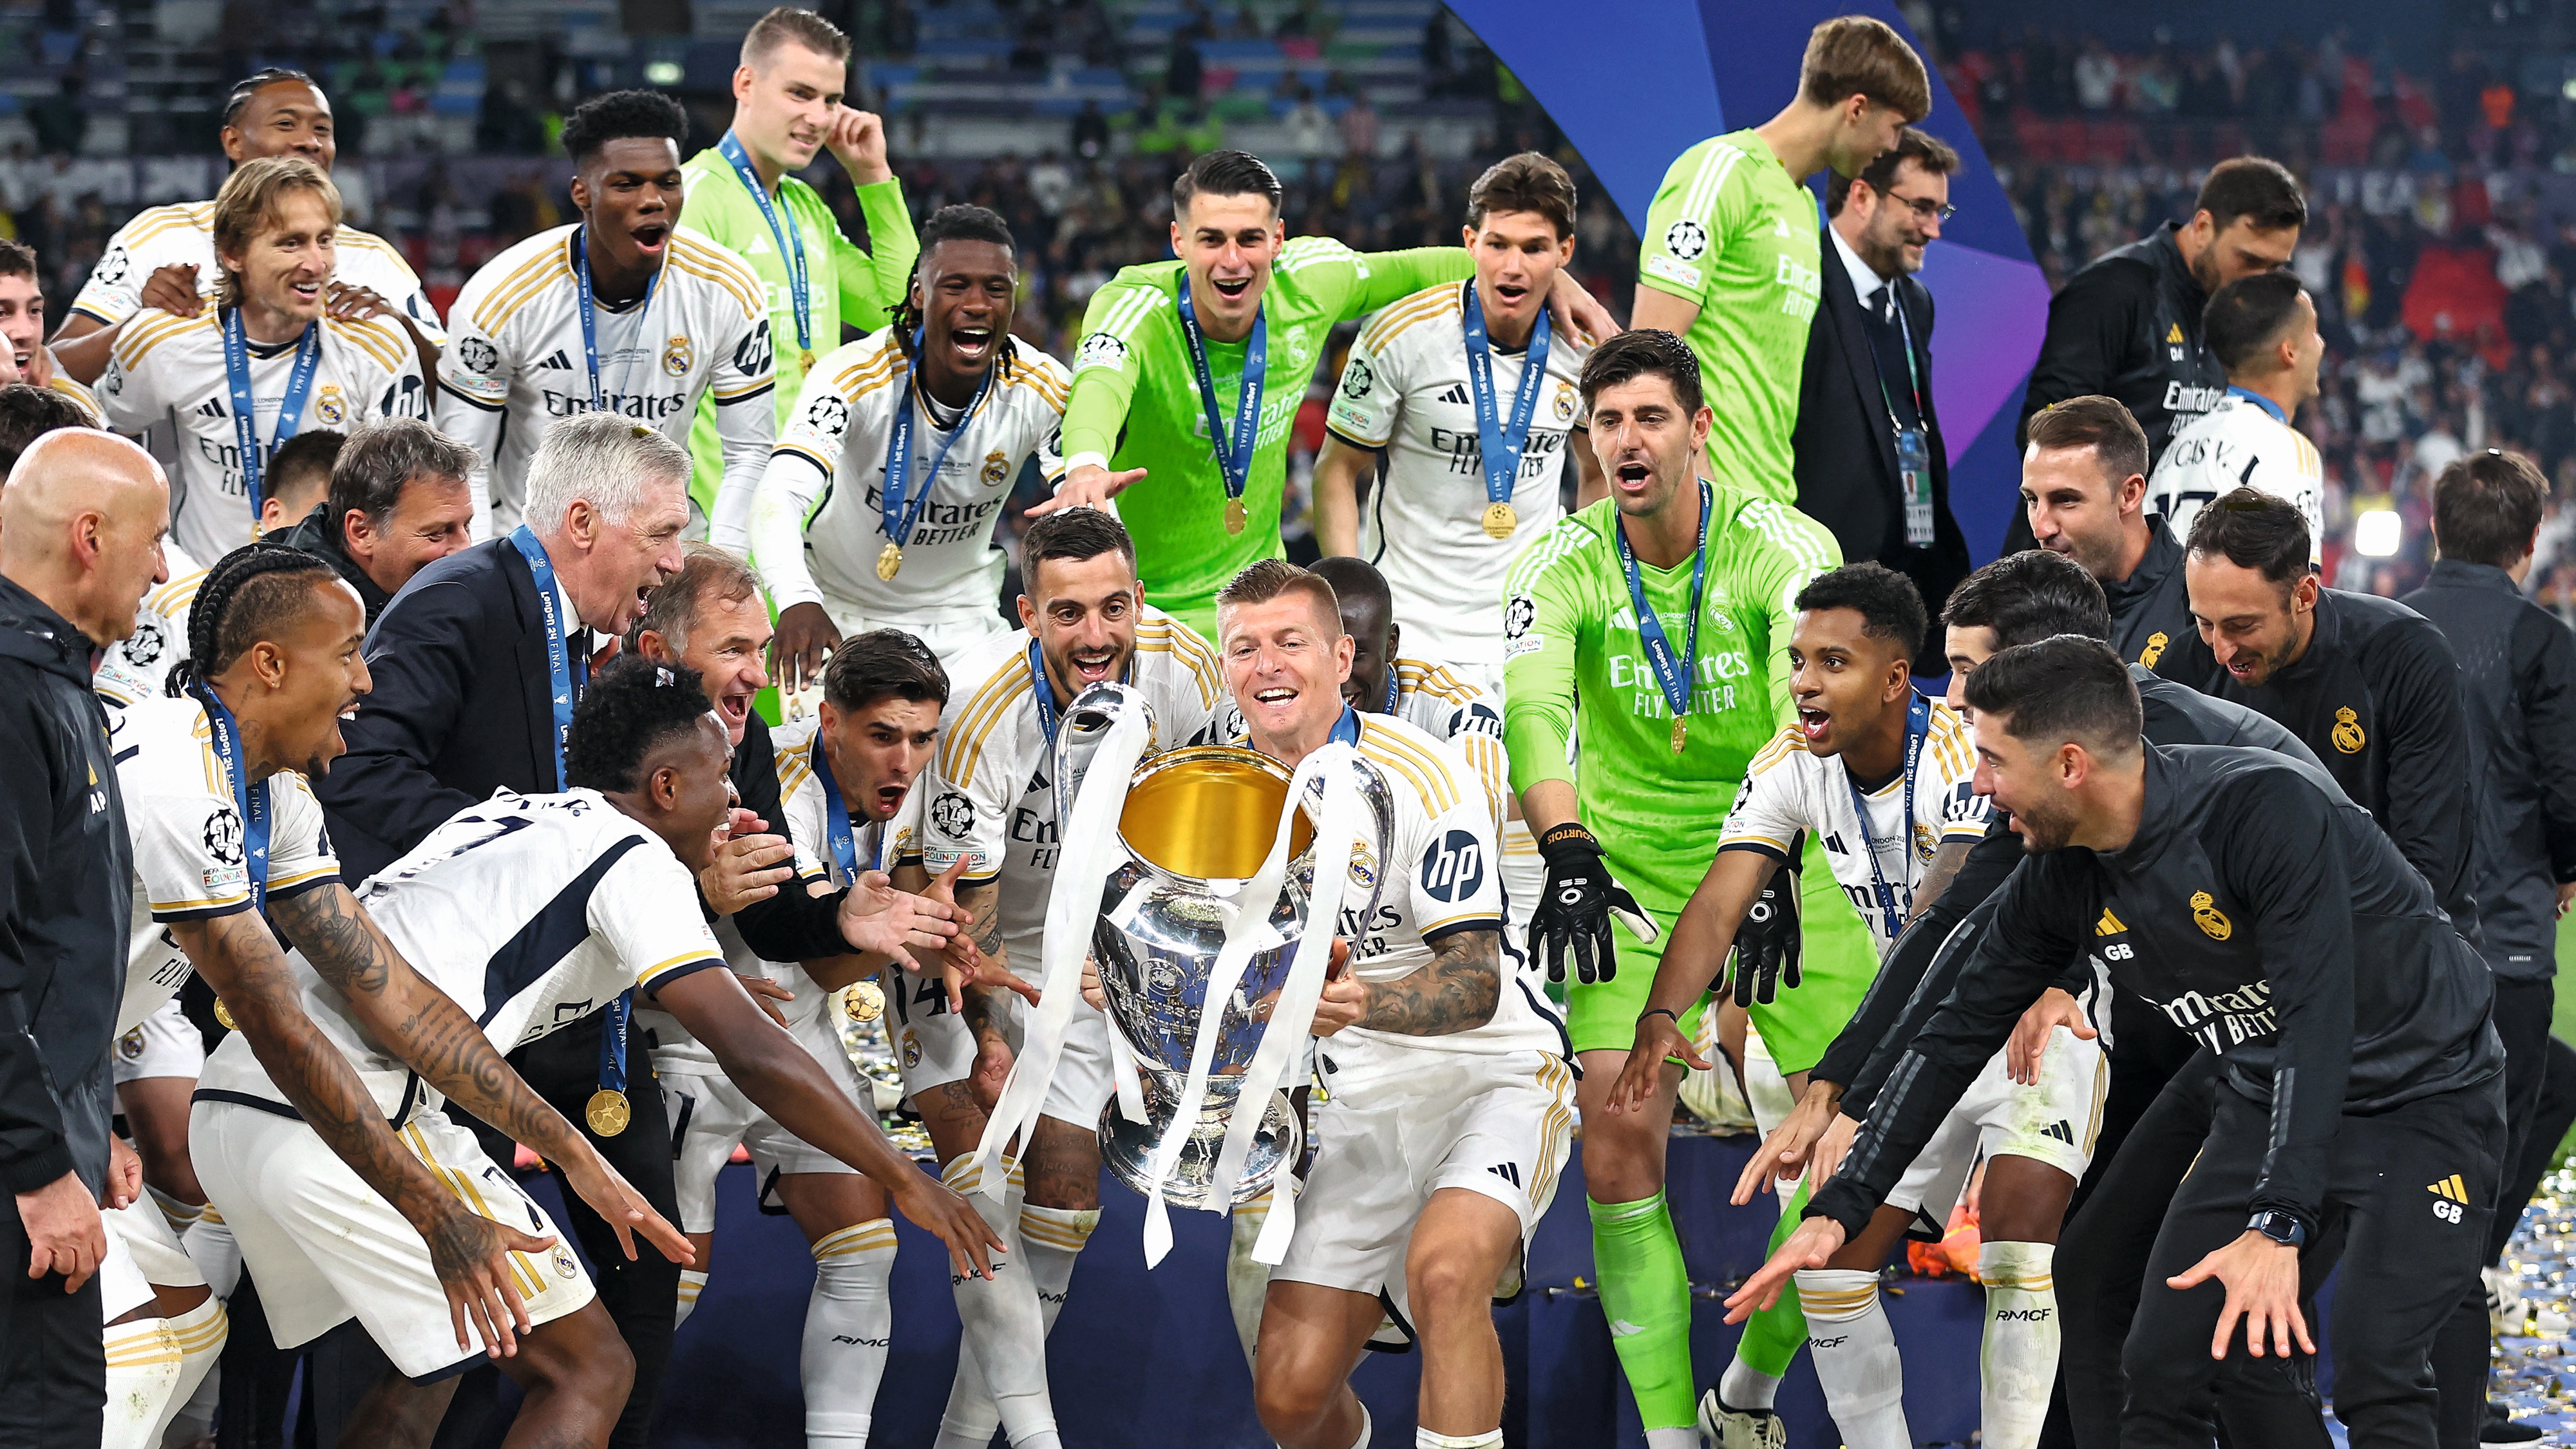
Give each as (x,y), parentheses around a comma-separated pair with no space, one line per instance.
(2551,1117)
(2411,1251)
(53,1358)
(2102,1266)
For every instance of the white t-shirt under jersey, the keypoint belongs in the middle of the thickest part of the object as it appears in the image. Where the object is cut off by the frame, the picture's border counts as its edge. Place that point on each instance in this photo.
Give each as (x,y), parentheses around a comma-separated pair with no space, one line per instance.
(2238,443)
(819,525)
(517,362)
(184,234)
(1405,389)
(169,371)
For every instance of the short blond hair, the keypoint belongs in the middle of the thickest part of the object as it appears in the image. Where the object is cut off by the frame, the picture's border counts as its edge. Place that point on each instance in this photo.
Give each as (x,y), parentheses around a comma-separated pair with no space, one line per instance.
(253,199)
(789,25)
(1860,55)
(1266,579)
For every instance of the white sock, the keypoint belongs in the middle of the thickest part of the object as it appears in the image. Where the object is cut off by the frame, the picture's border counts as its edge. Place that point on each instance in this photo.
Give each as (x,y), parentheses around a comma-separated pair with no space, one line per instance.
(2020,1358)
(1366,1428)
(199,1334)
(1490,1439)
(1683,1438)
(181,1216)
(210,1244)
(692,1283)
(849,1325)
(1745,1387)
(1004,1328)
(1855,1354)
(1247,1283)
(142,1379)
(1050,1239)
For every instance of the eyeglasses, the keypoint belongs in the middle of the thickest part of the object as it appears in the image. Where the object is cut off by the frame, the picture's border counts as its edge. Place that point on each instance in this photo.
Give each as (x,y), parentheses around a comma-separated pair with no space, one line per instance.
(1924,207)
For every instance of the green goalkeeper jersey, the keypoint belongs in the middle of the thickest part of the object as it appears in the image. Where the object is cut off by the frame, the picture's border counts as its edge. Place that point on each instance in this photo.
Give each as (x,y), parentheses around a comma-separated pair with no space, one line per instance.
(1576,669)
(1136,404)
(844,281)
(1734,234)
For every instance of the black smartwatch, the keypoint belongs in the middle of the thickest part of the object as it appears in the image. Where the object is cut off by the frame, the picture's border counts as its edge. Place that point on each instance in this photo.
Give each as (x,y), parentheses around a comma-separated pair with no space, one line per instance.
(2281,1227)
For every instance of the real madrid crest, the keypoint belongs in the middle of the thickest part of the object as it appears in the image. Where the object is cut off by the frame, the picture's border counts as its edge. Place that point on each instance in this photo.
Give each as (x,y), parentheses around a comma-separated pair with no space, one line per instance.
(329,406)
(996,468)
(1564,404)
(2212,921)
(677,356)
(1363,866)
(2347,731)
(2155,649)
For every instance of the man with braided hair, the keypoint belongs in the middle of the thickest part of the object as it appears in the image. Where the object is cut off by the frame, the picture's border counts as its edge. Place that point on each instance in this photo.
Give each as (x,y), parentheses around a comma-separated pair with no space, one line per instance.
(878,507)
(224,826)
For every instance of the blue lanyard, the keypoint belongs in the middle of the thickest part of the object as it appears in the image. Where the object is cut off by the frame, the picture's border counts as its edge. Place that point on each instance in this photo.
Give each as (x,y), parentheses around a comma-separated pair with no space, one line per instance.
(843,840)
(1390,686)
(901,514)
(590,315)
(791,242)
(1675,675)
(1501,443)
(251,800)
(2260,401)
(1918,723)
(1233,451)
(290,412)
(1346,730)
(1043,691)
(559,662)
(1905,332)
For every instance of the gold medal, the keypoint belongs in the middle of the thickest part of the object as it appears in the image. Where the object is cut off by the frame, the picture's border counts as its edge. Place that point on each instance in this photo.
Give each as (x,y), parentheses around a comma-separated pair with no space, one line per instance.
(805,361)
(608,1112)
(1500,520)
(890,561)
(224,1016)
(863,1001)
(1681,733)
(1236,515)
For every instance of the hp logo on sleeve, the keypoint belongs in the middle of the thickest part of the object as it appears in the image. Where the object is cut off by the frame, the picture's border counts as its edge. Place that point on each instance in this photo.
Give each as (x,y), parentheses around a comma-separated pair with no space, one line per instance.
(1454,867)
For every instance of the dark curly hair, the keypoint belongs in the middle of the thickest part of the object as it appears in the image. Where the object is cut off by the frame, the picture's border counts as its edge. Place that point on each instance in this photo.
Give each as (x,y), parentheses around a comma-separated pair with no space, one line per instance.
(884,664)
(955,223)
(1889,605)
(250,594)
(619,115)
(629,710)
(257,81)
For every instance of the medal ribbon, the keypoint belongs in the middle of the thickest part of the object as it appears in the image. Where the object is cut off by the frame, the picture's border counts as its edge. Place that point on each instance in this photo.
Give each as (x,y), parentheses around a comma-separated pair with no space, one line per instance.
(1233,451)
(900,513)
(783,231)
(1918,723)
(843,840)
(290,412)
(1499,443)
(251,800)
(1675,675)
(589,310)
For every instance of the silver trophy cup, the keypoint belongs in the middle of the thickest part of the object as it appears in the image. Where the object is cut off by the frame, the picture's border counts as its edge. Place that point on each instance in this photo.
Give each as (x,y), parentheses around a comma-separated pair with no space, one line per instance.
(1196,824)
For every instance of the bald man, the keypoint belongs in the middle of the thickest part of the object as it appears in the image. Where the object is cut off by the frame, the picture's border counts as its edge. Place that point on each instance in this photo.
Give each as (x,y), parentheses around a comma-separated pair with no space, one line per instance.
(81,522)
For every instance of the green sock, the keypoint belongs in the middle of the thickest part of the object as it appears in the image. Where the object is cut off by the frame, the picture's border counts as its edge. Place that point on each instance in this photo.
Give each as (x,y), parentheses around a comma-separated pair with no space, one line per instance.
(1773,1336)
(1645,1293)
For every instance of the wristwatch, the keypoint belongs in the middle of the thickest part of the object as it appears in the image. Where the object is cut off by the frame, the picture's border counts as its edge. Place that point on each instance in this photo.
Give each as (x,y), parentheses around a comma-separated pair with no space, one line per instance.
(2281,1227)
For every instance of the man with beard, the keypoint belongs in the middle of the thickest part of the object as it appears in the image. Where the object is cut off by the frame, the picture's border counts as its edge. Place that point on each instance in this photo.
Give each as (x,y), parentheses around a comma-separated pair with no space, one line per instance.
(2083,490)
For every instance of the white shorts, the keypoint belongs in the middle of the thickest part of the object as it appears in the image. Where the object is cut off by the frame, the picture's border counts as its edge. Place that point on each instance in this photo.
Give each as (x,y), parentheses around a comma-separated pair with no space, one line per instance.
(1082,1086)
(141,1252)
(933,1045)
(951,638)
(324,1248)
(165,1044)
(2053,1121)
(1498,1125)
(709,1114)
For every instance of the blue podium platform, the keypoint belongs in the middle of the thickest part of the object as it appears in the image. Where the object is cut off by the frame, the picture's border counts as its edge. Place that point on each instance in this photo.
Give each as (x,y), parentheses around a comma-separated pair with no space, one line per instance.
(1145,1360)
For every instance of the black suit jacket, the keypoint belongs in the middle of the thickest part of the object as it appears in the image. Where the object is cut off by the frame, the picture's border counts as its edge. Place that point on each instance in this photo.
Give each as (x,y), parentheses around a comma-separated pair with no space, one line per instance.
(1846,453)
(460,708)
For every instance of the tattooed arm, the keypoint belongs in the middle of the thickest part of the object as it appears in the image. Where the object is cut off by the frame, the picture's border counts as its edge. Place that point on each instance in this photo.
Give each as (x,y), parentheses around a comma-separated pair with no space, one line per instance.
(1457,990)
(422,1025)
(241,961)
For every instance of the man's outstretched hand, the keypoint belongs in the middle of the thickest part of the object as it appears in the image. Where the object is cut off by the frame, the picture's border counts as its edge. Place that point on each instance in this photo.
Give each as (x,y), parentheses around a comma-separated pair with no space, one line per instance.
(1816,1241)
(1086,486)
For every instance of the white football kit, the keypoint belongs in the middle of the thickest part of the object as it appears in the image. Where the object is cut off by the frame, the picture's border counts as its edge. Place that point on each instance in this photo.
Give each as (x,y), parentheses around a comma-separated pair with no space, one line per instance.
(1406,389)
(990,799)
(1441,702)
(1489,1109)
(518,362)
(169,372)
(819,531)
(138,666)
(2241,442)
(530,912)
(183,234)
(1789,790)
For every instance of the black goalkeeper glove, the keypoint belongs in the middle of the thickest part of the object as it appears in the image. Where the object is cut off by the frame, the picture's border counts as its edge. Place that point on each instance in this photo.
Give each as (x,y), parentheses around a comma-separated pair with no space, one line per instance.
(1576,908)
(1767,943)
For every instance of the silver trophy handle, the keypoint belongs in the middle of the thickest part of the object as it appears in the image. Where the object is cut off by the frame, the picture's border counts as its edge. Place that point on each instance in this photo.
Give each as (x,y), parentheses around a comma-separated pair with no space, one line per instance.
(1081,732)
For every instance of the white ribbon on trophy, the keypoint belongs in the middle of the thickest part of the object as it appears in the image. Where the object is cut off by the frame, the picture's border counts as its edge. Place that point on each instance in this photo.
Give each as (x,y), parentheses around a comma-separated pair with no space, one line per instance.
(1090,850)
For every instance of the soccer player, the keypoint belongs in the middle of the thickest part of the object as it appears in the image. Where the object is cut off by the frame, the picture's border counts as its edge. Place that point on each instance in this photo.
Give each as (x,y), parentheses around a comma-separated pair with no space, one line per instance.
(1452,414)
(2245,896)
(787,107)
(1174,408)
(1655,625)
(1861,723)
(224,828)
(876,511)
(238,380)
(606,868)
(2084,489)
(165,256)
(624,311)
(22,326)
(1730,259)
(2264,330)
(991,804)
(298,475)
(1451,1100)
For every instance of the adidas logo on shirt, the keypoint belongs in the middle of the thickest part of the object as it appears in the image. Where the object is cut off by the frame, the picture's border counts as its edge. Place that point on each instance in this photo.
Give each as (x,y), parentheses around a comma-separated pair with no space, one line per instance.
(212,407)
(1457,393)
(557,359)
(2062,1130)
